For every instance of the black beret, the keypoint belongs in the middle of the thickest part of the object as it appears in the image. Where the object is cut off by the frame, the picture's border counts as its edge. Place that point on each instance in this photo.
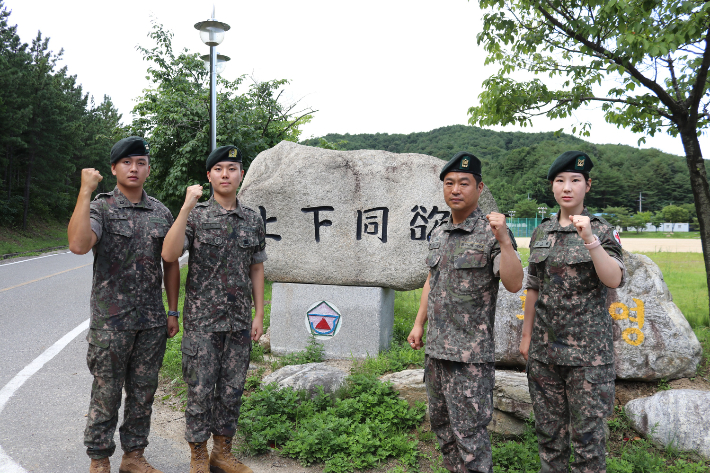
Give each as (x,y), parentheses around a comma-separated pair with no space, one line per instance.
(224,153)
(131,146)
(570,161)
(462,162)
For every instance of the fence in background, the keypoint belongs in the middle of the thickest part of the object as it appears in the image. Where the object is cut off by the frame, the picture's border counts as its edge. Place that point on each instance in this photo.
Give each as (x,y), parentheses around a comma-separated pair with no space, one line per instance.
(523,227)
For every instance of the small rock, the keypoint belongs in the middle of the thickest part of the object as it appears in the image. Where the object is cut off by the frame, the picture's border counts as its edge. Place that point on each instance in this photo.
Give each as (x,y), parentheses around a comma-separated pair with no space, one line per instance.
(677,418)
(409,383)
(506,424)
(511,394)
(307,377)
(265,341)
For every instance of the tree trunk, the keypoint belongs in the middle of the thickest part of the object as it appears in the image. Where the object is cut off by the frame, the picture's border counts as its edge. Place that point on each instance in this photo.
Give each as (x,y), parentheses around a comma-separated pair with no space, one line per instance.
(27,190)
(701,191)
(8,172)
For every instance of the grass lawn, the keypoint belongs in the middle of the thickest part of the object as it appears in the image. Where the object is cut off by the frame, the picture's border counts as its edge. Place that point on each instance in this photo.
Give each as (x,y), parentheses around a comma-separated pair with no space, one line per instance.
(683,235)
(39,235)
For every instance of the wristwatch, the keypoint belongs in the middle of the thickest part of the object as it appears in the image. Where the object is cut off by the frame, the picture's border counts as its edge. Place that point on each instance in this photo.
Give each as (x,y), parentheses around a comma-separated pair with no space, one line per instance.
(173,313)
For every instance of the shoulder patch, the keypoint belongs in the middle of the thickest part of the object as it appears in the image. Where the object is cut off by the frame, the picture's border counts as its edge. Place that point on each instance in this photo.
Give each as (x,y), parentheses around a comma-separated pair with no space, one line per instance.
(617,237)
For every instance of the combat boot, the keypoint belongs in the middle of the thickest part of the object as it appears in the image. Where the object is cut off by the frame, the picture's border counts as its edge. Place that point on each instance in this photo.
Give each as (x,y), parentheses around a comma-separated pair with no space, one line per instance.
(199,460)
(222,460)
(135,462)
(100,466)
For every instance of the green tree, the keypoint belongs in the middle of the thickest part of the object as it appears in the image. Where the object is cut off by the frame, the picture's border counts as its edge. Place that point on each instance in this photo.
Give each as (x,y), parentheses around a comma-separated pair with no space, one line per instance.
(617,216)
(640,219)
(174,115)
(675,214)
(645,62)
(526,209)
(657,220)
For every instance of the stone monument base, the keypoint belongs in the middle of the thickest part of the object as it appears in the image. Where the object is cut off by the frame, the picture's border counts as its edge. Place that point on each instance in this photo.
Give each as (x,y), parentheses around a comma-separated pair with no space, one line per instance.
(350,321)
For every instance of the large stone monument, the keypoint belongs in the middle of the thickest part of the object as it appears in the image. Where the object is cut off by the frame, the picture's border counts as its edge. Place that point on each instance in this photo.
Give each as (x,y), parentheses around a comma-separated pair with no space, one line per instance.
(359,219)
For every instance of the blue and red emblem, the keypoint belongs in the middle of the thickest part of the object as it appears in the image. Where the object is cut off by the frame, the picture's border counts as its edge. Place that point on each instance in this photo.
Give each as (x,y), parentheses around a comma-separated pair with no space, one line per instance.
(323,319)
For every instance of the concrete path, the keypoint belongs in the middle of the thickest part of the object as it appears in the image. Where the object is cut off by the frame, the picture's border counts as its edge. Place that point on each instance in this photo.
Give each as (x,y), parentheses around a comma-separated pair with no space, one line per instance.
(647,245)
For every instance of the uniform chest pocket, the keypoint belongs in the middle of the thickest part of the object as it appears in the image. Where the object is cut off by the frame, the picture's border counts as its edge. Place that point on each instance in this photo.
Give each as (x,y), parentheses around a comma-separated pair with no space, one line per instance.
(246,237)
(577,254)
(471,259)
(158,227)
(538,255)
(213,238)
(119,225)
(434,255)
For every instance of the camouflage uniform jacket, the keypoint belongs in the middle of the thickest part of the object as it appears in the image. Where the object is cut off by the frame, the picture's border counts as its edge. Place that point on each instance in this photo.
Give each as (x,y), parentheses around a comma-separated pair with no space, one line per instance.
(223,244)
(463,286)
(572,323)
(127,291)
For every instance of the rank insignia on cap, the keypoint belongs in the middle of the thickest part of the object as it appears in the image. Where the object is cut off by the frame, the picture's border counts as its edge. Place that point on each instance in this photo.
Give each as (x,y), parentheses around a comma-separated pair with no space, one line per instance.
(464,163)
(580,163)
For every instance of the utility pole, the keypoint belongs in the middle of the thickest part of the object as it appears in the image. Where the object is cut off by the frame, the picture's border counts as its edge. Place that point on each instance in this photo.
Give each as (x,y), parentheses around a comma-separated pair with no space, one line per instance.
(640,199)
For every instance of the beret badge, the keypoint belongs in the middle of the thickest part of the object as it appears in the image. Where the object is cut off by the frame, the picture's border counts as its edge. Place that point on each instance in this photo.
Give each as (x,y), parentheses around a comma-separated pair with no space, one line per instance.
(233,153)
(464,163)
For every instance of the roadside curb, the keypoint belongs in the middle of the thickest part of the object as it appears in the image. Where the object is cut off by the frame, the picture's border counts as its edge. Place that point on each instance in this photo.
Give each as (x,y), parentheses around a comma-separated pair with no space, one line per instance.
(41,250)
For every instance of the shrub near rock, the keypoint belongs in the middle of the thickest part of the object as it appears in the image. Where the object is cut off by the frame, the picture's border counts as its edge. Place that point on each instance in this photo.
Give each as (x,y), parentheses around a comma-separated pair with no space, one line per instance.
(364,425)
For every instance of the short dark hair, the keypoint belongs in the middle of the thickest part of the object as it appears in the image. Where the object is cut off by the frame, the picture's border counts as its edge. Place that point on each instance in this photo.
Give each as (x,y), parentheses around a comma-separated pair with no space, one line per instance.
(478,178)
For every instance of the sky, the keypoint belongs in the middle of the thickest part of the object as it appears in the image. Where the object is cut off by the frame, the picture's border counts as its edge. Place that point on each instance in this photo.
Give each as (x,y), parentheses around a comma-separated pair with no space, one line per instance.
(387,66)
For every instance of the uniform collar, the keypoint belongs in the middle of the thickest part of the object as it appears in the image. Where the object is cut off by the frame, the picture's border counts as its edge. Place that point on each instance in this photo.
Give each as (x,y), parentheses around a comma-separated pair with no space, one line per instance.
(123,202)
(467,225)
(556,227)
(217,209)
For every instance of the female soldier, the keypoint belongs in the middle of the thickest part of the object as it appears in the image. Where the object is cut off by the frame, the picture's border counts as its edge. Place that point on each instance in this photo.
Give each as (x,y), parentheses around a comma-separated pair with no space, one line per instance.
(574,257)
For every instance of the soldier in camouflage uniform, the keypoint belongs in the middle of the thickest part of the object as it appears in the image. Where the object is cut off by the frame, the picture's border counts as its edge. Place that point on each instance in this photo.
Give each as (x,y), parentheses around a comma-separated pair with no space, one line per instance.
(567,331)
(125,229)
(226,241)
(468,255)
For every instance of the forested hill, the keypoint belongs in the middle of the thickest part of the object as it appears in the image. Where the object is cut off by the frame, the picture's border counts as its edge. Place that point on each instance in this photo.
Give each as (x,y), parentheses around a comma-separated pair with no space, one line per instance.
(515,164)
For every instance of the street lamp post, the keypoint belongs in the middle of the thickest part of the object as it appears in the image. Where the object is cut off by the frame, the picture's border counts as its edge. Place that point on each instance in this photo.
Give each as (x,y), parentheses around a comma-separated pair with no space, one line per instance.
(543,210)
(212,34)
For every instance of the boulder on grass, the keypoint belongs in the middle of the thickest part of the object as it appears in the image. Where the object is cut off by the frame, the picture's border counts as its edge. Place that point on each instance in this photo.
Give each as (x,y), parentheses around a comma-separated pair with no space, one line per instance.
(308,377)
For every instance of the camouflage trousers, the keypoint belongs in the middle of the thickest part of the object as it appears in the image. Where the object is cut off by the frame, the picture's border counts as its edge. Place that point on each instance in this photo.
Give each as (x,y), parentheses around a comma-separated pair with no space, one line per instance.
(571,402)
(214,366)
(460,408)
(118,358)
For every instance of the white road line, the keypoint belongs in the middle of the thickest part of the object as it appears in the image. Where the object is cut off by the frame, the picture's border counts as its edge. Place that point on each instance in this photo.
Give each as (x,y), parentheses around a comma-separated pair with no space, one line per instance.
(7,465)
(32,259)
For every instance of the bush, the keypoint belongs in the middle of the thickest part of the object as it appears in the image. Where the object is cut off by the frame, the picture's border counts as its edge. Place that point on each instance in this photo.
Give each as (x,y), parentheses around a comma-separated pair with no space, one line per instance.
(363,425)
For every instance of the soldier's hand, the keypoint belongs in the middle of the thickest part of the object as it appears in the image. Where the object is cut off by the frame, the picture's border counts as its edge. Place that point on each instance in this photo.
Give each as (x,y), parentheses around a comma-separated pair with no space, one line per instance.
(500,229)
(257,328)
(173,326)
(524,347)
(192,196)
(415,337)
(583,226)
(90,179)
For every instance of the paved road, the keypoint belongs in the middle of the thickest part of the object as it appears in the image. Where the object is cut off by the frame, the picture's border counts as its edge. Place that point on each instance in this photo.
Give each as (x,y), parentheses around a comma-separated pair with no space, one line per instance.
(41,422)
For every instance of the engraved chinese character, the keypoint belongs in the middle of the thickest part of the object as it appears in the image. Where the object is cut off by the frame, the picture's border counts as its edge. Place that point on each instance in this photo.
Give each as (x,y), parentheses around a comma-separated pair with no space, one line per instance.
(373,222)
(268,220)
(421,222)
(317,222)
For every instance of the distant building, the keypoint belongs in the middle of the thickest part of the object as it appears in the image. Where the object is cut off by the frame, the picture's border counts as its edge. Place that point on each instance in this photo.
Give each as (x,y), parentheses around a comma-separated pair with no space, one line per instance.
(669,227)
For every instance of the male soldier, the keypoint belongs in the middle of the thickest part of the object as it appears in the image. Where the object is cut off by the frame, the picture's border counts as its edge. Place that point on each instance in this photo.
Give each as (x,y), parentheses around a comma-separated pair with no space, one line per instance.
(226,241)
(468,255)
(125,229)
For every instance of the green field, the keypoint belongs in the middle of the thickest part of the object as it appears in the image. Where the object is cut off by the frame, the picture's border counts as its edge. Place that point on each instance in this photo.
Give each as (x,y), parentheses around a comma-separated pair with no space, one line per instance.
(677,235)
(40,235)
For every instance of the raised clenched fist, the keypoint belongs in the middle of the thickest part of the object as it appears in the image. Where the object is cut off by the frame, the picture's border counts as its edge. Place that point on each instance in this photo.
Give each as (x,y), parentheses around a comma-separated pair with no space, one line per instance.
(500,229)
(90,179)
(192,195)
